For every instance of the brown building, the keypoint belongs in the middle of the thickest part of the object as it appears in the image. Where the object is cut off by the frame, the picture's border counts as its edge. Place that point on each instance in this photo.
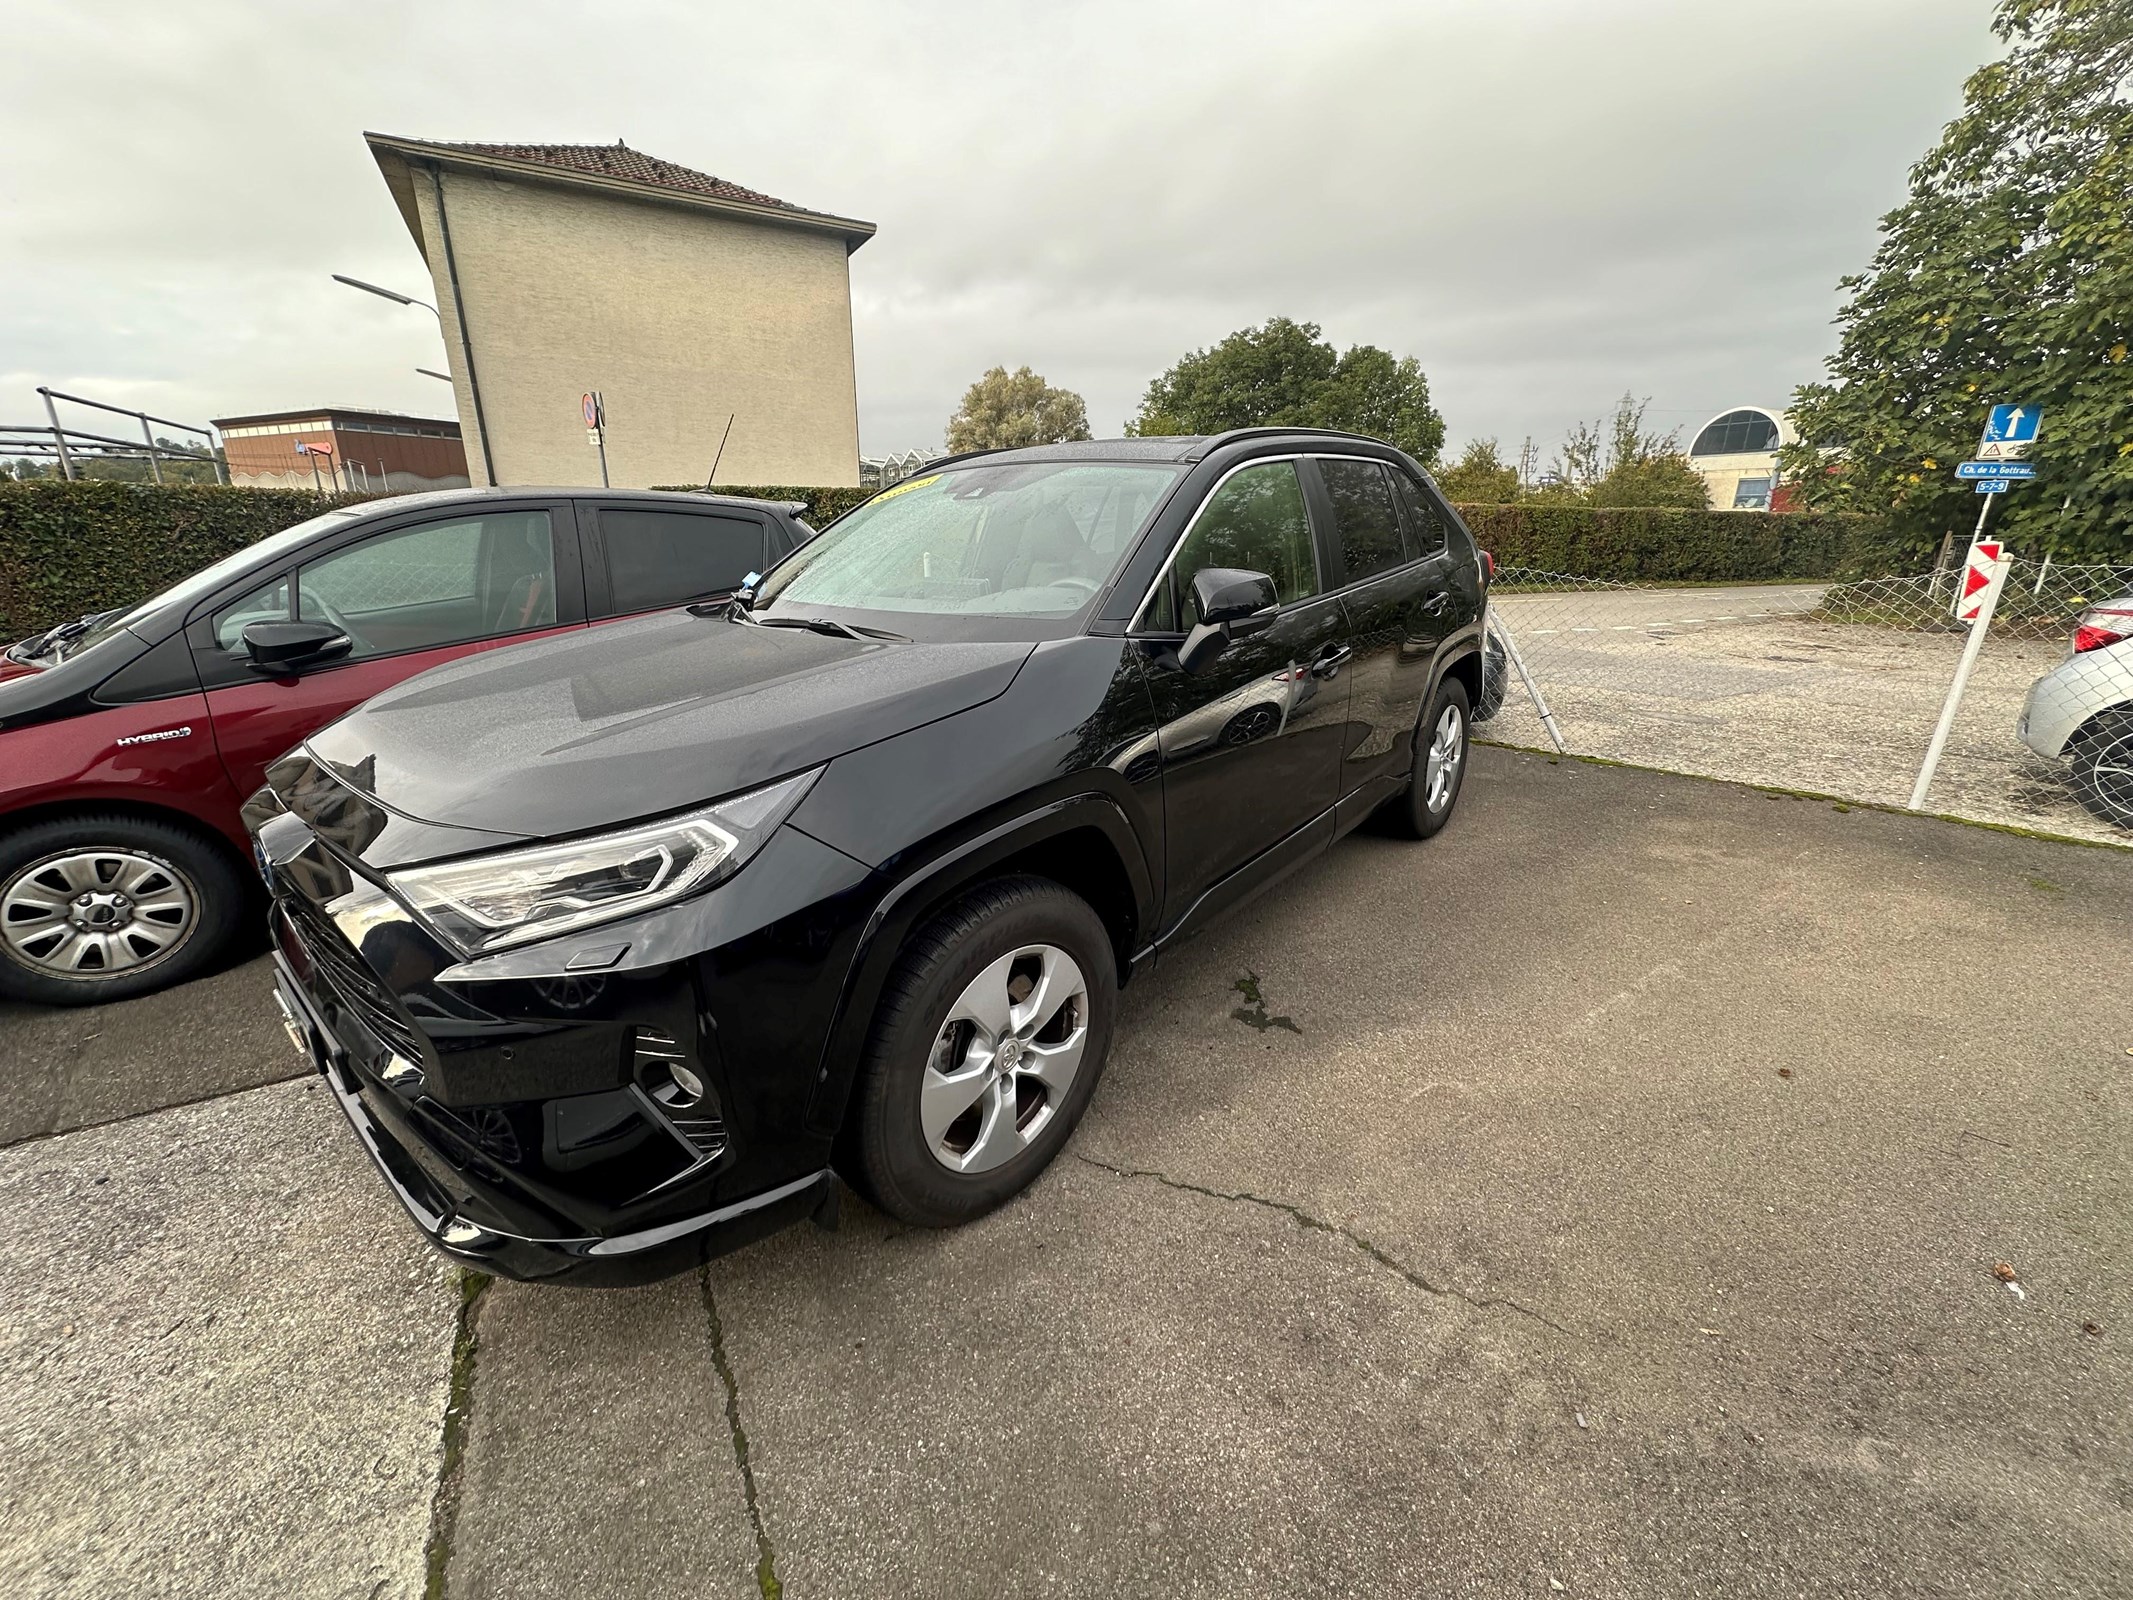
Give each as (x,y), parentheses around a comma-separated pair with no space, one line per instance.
(714,320)
(332,446)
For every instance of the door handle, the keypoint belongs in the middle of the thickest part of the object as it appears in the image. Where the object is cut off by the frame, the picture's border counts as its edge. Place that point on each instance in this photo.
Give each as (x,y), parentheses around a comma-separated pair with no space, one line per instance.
(1329,661)
(1436,603)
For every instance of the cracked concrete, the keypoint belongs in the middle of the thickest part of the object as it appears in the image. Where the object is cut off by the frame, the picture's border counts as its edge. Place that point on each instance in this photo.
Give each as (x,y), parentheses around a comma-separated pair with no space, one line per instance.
(1304,1219)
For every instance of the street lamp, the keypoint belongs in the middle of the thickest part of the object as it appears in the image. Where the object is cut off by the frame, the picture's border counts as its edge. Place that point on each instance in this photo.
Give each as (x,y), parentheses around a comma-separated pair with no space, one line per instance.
(390,294)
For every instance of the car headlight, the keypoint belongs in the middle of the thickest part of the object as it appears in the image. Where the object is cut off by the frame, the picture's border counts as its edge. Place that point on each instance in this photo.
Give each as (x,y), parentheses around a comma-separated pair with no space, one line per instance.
(489,902)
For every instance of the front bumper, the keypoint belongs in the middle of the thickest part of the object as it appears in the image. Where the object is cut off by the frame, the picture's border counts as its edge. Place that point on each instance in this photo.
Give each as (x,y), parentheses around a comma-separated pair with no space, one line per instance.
(458,1207)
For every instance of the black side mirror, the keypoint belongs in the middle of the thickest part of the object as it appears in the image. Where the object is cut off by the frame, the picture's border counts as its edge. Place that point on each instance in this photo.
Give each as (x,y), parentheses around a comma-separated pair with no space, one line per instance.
(285,646)
(1233,604)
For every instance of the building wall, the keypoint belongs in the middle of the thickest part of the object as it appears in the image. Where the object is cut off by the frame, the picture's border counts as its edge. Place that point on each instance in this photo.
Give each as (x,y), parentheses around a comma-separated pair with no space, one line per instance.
(677,315)
(406,463)
(1722,474)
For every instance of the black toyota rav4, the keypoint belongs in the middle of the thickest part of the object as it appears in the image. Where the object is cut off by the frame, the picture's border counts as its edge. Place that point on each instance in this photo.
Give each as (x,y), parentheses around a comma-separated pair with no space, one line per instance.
(613,946)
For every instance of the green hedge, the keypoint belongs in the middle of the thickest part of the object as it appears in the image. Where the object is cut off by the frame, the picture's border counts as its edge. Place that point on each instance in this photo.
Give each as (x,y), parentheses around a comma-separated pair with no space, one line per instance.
(1669,546)
(67,548)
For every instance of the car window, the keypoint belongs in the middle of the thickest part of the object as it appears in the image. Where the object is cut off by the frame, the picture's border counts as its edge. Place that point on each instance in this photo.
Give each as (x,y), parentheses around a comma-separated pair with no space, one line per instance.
(1424,528)
(1364,516)
(268,603)
(442,583)
(1255,521)
(663,558)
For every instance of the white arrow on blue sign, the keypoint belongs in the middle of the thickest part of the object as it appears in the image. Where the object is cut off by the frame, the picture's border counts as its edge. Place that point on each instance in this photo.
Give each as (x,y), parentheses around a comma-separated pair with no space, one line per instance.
(1994,469)
(2009,432)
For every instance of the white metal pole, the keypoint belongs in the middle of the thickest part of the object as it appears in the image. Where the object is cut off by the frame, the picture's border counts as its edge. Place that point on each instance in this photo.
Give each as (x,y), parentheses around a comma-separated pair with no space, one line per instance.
(1971,646)
(1976,534)
(1510,648)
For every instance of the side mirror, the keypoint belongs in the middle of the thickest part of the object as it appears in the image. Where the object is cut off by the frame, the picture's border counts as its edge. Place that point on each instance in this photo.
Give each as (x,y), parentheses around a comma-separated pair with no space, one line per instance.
(285,646)
(1233,604)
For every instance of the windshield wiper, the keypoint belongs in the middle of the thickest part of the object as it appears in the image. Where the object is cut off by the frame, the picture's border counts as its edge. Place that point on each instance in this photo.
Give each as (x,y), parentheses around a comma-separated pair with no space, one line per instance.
(53,638)
(830,626)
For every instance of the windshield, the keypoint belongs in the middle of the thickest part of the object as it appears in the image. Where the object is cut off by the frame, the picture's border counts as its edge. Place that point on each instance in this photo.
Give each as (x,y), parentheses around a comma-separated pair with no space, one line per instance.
(1035,539)
(68,645)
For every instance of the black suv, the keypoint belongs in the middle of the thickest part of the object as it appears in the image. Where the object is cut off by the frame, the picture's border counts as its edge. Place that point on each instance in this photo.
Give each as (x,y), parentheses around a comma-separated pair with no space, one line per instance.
(611,945)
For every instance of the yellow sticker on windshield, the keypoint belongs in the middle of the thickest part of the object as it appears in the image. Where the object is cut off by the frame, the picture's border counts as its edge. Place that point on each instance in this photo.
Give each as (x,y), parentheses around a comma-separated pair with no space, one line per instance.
(907,486)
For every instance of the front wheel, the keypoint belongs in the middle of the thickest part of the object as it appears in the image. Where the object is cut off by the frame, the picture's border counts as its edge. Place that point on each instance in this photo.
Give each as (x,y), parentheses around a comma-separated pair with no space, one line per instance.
(105,906)
(991,1035)
(2103,770)
(1439,765)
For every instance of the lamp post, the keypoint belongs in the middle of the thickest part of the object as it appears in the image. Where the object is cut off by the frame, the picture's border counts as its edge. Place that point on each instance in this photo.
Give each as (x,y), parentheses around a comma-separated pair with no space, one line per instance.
(390,294)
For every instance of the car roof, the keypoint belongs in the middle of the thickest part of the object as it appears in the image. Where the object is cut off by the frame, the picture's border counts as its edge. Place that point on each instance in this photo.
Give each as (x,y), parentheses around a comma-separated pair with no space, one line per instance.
(1180,448)
(579,491)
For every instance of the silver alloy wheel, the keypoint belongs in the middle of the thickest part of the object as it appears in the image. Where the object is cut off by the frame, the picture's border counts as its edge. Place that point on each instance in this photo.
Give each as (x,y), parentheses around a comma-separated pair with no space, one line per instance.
(1005,1058)
(2110,778)
(1440,773)
(85,914)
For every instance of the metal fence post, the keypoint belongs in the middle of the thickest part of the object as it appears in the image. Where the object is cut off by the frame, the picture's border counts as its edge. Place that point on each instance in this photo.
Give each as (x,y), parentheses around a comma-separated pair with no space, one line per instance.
(59,436)
(1540,705)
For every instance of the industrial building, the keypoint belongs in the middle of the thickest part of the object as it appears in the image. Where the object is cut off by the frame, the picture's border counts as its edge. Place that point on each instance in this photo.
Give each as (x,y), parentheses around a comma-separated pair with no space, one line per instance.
(332,447)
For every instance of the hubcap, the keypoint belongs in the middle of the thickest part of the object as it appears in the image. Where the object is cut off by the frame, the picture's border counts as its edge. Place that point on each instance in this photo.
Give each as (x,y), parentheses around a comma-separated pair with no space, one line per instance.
(1005,1058)
(86,913)
(1447,749)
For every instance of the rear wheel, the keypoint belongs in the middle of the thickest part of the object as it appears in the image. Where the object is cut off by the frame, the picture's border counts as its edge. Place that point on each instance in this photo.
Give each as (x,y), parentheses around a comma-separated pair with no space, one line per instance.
(100,907)
(2103,769)
(1439,765)
(991,1035)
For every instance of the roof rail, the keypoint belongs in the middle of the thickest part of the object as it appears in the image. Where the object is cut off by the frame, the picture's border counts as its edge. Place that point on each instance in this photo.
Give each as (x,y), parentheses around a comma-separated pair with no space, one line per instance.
(1232,435)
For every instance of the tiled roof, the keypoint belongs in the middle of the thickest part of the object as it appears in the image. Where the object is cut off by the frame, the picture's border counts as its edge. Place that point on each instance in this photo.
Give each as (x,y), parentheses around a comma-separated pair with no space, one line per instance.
(618,160)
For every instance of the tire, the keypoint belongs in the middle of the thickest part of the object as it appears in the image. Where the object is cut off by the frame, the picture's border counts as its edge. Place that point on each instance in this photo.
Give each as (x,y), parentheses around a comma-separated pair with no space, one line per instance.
(1495,668)
(166,902)
(2103,768)
(918,1157)
(1427,805)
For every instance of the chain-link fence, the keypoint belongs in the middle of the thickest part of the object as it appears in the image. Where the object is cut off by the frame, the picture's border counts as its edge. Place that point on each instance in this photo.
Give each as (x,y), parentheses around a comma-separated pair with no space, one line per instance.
(1835,688)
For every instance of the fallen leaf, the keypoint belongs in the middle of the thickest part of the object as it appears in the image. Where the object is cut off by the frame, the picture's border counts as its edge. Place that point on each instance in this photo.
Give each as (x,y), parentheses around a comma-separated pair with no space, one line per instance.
(2004,1273)
(2093,1329)
(1784,1072)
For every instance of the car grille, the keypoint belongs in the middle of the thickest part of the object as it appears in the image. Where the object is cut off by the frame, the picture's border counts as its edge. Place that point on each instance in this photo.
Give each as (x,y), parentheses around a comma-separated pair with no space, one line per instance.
(348,981)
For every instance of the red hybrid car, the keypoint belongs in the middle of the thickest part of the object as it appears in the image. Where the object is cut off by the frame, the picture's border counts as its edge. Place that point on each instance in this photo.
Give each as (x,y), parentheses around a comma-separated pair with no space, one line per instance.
(129,739)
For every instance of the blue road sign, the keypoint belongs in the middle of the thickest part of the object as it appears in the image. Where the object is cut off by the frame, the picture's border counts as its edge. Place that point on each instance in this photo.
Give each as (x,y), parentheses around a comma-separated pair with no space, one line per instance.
(1992,486)
(2013,425)
(1995,469)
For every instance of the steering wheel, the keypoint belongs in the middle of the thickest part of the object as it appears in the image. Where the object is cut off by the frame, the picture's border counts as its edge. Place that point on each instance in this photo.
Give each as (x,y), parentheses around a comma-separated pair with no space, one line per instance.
(1087,586)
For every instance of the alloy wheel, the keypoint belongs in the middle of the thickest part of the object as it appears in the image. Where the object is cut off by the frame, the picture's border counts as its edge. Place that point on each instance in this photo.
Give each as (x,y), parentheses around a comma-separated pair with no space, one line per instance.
(1005,1058)
(1447,749)
(2110,779)
(87,914)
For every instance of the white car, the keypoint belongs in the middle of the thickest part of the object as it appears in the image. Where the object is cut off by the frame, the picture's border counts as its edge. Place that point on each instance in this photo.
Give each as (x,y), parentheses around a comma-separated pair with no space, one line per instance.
(2082,711)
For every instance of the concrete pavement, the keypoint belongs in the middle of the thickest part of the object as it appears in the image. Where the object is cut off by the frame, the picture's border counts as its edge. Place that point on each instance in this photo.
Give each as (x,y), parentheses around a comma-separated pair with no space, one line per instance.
(1623,1217)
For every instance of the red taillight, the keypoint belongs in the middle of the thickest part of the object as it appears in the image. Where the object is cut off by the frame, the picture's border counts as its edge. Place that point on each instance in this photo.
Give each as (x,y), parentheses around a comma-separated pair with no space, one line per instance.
(2102,625)
(1488,567)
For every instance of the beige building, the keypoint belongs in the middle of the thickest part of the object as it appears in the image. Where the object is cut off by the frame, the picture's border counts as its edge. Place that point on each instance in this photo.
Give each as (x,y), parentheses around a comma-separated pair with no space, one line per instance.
(686,301)
(1735,453)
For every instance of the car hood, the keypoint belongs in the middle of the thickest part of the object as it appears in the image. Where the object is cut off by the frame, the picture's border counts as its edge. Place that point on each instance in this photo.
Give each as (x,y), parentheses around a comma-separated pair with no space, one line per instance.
(634,719)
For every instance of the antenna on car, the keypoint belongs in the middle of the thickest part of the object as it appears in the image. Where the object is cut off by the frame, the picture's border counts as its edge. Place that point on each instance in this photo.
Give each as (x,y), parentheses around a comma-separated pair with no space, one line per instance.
(711,477)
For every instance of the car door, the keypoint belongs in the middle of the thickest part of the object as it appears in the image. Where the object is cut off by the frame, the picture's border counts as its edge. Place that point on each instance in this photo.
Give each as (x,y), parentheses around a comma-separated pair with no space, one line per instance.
(1392,585)
(645,557)
(410,597)
(1251,746)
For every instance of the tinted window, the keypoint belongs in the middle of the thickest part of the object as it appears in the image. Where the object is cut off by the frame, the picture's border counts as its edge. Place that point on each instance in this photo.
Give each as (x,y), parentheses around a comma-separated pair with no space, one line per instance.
(439,584)
(1255,521)
(1425,529)
(1364,515)
(1736,433)
(663,558)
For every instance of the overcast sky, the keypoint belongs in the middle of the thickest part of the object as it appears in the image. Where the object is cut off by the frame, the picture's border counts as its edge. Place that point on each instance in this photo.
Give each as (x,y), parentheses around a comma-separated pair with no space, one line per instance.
(1545,201)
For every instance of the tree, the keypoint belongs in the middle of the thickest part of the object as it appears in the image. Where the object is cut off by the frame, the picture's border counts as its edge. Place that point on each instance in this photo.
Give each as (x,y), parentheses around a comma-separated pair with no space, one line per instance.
(2004,277)
(1614,462)
(1005,409)
(1282,374)
(1480,477)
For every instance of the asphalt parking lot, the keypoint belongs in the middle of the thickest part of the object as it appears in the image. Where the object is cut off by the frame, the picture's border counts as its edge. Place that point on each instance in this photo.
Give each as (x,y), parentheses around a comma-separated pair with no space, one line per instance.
(1603,1199)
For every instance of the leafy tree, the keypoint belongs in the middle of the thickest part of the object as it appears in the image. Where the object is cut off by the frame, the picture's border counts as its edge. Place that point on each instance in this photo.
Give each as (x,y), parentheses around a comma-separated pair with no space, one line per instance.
(2006,276)
(1282,374)
(1480,477)
(1614,462)
(1003,410)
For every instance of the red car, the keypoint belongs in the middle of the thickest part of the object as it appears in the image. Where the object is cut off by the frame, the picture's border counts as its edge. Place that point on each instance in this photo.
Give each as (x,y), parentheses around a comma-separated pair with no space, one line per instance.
(129,739)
